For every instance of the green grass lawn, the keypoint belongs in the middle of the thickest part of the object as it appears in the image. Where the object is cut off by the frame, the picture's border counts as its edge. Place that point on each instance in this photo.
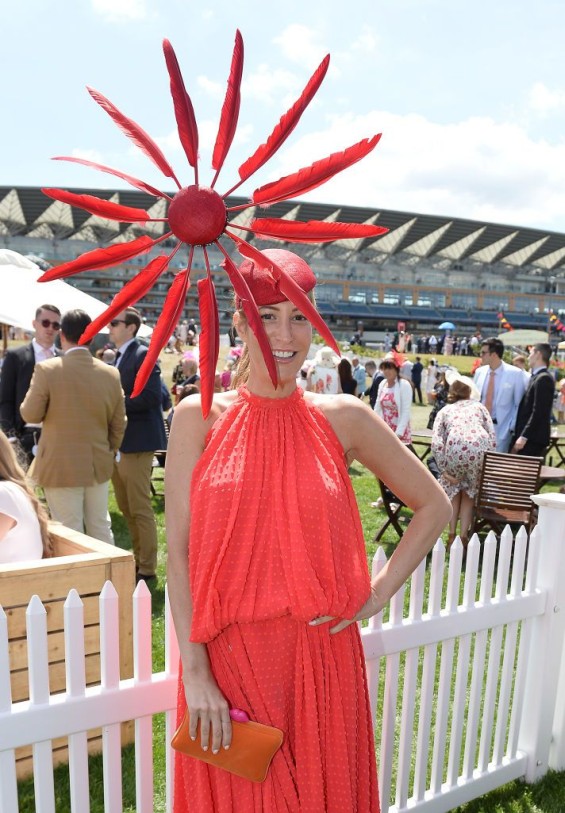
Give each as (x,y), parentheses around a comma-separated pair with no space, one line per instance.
(547,796)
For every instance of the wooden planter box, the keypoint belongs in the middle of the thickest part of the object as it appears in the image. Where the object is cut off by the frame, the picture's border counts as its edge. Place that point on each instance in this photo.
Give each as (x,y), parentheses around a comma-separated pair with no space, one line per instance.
(85,564)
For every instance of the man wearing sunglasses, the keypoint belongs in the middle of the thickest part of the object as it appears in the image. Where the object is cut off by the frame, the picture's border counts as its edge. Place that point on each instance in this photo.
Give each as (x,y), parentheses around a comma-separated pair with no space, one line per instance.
(145,433)
(17,371)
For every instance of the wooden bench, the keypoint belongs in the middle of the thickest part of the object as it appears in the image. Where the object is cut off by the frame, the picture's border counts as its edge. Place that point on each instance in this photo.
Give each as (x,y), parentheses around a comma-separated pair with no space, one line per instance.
(85,564)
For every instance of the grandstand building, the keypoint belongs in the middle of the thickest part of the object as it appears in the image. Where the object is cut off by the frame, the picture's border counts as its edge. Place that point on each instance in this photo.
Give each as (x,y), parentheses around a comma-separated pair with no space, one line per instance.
(426,270)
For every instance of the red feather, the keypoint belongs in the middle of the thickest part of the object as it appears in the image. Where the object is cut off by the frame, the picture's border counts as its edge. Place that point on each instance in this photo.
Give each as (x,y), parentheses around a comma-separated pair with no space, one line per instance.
(135,289)
(135,182)
(290,289)
(136,133)
(252,314)
(313,231)
(99,258)
(399,358)
(209,345)
(184,111)
(285,126)
(96,206)
(230,109)
(316,174)
(217,333)
(166,323)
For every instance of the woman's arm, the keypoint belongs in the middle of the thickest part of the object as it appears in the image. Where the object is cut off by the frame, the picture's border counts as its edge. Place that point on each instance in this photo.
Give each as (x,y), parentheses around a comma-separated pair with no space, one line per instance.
(6,524)
(488,425)
(439,437)
(204,700)
(366,438)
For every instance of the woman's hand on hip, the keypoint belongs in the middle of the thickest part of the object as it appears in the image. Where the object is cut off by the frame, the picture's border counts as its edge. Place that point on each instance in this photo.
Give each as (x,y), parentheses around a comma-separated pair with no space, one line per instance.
(371,607)
(207,705)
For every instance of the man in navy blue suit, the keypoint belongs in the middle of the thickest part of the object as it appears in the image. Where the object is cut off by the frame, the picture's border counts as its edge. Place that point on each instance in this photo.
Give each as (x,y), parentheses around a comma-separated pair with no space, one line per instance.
(145,433)
(533,422)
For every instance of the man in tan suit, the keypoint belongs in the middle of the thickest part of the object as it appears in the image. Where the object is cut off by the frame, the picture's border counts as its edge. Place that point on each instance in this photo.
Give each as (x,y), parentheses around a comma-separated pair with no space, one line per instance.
(81,403)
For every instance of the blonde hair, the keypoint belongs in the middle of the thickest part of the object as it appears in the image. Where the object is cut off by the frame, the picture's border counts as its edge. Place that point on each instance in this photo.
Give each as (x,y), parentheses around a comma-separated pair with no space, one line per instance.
(12,472)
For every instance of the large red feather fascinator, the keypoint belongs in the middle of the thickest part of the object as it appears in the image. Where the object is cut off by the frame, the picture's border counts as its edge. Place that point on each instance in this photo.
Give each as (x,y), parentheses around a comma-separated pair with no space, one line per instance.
(198,216)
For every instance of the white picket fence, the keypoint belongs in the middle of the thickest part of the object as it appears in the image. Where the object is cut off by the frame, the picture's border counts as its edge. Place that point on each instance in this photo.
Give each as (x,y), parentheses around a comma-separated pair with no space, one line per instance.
(467,684)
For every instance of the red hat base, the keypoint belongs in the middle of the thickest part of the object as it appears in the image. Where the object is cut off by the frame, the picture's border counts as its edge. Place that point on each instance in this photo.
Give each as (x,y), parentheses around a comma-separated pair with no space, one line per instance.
(197,215)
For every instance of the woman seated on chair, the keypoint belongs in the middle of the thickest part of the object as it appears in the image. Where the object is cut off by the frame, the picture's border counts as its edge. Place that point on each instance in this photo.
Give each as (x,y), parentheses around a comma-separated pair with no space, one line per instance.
(462,433)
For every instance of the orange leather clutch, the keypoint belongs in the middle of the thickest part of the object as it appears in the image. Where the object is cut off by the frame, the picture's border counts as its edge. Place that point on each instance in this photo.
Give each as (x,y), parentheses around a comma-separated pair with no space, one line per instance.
(251,751)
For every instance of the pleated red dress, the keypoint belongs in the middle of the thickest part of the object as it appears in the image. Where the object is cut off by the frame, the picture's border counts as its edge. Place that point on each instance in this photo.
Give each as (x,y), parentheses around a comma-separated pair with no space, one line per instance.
(275,541)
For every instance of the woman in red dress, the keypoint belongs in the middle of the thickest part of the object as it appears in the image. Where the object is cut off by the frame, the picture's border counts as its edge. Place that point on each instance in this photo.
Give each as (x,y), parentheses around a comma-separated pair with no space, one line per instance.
(267,570)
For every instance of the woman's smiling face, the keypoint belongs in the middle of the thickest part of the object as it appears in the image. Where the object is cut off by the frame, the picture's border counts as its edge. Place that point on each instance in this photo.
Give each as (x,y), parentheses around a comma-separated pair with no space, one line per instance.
(290,336)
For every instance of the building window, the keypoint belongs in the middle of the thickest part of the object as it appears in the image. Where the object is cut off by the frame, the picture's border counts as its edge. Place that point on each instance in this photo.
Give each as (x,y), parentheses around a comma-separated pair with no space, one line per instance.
(464,301)
(495,303)
(329,293)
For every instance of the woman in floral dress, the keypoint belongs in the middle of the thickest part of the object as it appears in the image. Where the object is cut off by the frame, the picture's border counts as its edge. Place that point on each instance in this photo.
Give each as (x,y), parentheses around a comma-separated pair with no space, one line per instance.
(463,432)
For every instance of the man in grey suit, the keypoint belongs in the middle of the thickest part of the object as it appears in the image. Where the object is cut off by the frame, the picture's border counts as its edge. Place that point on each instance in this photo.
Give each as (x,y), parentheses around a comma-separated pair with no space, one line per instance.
(501,386)
(17,371)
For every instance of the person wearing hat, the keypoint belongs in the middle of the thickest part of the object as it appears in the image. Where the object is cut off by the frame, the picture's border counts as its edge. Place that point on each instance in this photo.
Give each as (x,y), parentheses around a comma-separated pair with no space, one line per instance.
(266,555)
(323,375)
(463,431)
(394,398)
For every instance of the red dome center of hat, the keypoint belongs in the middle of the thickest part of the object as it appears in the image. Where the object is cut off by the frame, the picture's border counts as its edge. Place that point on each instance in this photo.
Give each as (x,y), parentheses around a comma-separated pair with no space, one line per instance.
(197,215)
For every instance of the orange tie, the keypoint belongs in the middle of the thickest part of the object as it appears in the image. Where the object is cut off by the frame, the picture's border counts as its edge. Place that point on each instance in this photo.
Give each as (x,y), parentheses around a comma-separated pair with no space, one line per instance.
(489,396)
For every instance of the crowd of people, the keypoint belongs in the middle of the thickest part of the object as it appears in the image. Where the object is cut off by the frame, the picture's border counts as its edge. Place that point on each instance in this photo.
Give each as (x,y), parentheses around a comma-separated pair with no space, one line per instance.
(114,437)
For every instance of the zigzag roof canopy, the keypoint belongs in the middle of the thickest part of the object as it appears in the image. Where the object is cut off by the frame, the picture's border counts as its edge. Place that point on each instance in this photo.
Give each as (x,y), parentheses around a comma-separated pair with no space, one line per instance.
(26,211)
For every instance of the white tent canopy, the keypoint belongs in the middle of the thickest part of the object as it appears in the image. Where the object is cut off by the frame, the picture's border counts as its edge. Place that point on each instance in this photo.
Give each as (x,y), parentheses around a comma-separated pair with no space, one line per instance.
(21,294)
(522,338)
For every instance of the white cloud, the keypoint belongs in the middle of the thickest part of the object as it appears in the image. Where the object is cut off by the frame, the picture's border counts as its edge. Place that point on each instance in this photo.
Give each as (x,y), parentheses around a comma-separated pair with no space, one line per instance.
(119,11)
(211,88)
(169,143)
(543,101)
(366,42)
(266,85)
(301,44)
(476,168)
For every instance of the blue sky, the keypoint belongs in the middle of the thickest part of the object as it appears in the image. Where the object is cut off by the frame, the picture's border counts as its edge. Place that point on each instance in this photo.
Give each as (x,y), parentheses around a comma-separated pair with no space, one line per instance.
(470,97)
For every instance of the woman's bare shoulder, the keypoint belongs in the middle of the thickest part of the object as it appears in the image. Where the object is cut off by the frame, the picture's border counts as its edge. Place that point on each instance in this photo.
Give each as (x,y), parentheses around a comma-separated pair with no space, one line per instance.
(188,414)
(344,413)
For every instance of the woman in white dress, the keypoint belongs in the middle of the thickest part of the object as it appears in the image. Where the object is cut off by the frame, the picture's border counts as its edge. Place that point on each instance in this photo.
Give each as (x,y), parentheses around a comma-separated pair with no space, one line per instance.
(23,520)
(431,379)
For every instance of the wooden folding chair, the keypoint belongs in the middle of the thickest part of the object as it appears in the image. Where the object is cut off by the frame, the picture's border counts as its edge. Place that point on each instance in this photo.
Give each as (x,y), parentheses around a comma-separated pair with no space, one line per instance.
(393,507)
(505,489)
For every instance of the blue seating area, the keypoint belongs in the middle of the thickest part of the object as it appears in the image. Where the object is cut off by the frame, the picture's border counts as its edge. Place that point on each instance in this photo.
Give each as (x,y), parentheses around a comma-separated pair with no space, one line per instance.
(465,321)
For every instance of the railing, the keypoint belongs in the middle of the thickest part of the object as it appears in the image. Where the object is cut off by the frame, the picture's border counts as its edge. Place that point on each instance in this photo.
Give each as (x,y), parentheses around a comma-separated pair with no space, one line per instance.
(454,664)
